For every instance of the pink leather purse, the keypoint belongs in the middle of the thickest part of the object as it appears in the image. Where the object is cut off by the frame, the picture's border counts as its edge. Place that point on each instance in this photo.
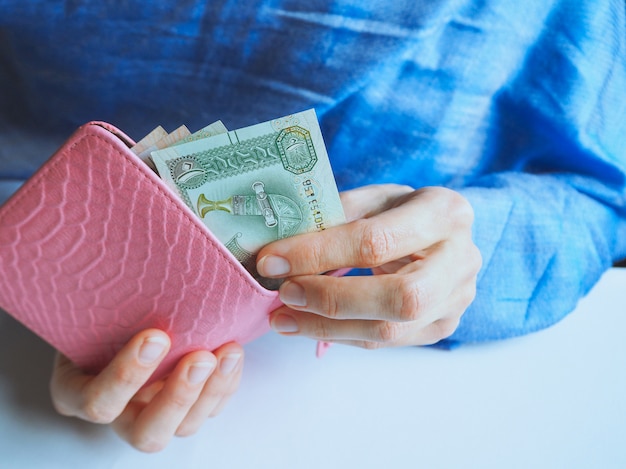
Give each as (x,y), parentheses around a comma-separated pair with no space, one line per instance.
(95,247)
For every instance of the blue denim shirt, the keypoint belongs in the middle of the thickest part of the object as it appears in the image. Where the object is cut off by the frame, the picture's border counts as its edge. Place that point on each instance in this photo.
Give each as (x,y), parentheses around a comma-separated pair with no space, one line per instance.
(520,106)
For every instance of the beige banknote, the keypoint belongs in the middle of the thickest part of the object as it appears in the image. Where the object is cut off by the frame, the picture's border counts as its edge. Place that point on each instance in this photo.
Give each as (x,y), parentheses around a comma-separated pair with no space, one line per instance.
(150,139)
(210,130)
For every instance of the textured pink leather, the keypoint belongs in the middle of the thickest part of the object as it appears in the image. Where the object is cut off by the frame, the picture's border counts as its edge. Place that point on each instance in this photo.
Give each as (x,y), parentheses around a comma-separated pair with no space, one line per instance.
(94,248)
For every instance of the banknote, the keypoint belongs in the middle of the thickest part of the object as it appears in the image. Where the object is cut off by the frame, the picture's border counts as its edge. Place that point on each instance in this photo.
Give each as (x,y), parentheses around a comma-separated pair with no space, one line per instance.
(168,140)
(210,130)
(154,136)
(158,139)
(257,184)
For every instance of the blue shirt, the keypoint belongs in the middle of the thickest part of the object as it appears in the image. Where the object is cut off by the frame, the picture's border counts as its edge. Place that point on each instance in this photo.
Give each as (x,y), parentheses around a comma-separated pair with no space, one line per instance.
(520,106)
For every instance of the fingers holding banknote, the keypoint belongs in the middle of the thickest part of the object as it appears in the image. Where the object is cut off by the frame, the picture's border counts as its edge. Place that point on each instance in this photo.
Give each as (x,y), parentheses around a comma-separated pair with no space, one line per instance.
(419,245)
(148,417)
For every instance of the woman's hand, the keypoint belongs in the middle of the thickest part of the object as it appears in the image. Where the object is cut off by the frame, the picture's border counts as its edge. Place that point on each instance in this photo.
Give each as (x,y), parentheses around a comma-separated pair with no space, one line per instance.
(147,418)
(419,245)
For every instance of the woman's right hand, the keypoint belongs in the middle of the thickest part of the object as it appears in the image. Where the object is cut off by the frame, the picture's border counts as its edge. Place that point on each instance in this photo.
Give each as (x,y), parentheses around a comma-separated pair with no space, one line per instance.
(147,418)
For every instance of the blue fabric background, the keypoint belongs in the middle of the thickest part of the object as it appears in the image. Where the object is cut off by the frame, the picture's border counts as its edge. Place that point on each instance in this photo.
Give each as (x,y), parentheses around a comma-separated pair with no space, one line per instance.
(520,106)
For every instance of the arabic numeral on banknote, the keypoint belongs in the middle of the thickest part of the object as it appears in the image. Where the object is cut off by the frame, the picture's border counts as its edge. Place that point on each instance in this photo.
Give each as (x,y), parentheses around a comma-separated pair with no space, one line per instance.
(257,184)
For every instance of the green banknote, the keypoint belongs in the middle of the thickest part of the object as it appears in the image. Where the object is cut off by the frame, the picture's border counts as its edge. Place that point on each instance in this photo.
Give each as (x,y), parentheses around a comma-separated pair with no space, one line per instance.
(257,184)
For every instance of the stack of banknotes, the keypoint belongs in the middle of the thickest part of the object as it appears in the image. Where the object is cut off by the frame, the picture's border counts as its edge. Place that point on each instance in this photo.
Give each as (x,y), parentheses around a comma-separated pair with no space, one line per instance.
(253,185)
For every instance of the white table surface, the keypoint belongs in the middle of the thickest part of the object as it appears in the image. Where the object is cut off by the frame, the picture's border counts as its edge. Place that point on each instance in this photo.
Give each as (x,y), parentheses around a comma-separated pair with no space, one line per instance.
(554,399)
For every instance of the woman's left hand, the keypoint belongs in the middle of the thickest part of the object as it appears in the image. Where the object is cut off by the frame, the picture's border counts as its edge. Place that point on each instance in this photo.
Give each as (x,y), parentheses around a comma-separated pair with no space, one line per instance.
(418,244)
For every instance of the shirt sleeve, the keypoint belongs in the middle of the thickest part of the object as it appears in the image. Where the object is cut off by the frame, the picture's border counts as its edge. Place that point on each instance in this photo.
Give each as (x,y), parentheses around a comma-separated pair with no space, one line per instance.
(545,241)
(550,212)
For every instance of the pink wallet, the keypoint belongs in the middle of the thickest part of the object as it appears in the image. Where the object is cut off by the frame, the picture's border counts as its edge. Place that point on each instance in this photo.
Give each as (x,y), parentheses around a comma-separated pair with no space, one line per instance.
(95,248)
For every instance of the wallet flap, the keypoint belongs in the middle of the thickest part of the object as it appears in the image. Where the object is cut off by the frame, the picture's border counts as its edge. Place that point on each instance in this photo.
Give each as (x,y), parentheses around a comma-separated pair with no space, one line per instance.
(95,247)
(129,142)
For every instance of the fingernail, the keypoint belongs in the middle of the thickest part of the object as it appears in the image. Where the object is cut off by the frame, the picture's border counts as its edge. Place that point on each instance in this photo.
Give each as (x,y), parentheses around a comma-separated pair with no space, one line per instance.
(292,294)
(229,363)
(200,371)
(273,266)
(284,323)
(151,349)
